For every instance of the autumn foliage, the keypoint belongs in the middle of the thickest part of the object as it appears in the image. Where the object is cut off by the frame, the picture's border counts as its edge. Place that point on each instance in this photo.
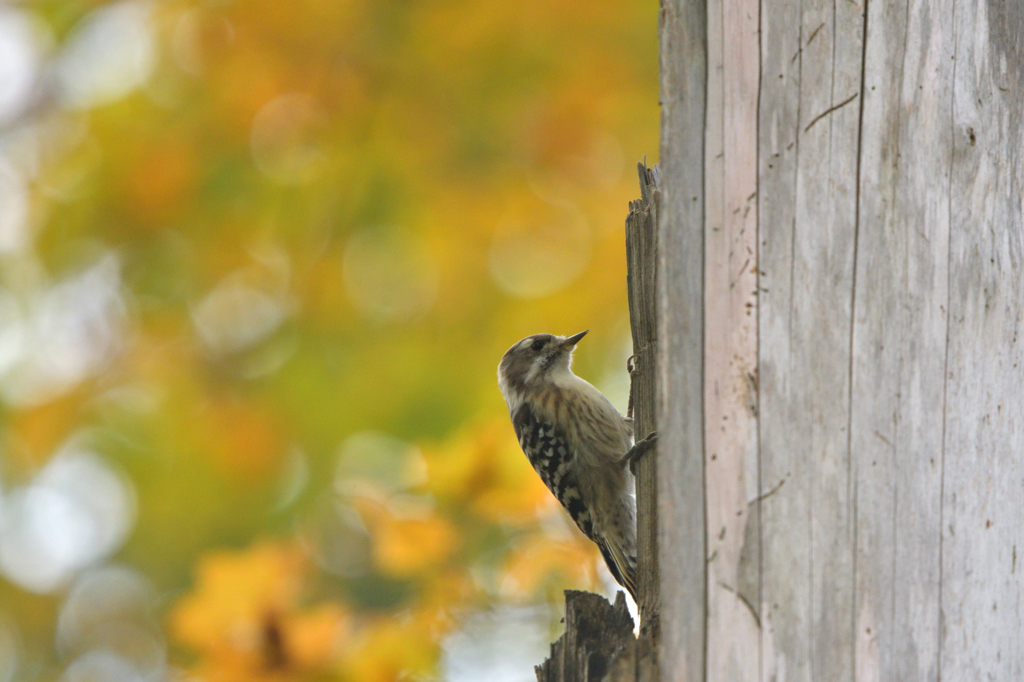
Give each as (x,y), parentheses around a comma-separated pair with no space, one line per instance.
(258,263)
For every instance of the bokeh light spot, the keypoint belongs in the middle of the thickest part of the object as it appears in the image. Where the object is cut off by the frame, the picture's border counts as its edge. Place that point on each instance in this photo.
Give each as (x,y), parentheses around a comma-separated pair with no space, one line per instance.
(13,208)
(389,463)
(110,53)
(103,666)
(12,332)
(71,330)
(389,274)
(338,539)
(111,609)
(538,250)
(235,316)
(75,512)
(286,139)
(19,62)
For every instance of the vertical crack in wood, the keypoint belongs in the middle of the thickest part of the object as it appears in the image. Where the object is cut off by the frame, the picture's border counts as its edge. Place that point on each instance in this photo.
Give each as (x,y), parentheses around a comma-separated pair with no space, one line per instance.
(850,463)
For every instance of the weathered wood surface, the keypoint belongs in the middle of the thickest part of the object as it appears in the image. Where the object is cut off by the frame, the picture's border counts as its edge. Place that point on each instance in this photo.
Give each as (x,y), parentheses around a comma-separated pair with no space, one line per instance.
(887,470)
(730,342)
(982,609)
(598,643)
(641,261)
(681,519)
(899,339)
(808,149)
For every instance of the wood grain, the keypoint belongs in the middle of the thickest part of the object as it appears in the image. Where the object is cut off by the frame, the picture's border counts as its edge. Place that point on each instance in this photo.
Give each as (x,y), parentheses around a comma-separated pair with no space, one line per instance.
(807,233)
(681,521)
(641,269)
(784,621)
(983,497)
(730,342)
(900,338)
(886,358)
(598,643)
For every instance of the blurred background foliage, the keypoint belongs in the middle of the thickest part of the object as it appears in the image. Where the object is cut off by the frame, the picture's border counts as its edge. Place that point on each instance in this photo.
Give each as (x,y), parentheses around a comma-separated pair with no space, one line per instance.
(258,263)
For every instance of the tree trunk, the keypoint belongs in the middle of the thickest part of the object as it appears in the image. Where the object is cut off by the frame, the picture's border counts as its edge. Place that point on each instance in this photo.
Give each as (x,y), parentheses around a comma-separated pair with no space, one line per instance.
(641,262)
(682,536)
(840,469)
(598,643)
(588,616)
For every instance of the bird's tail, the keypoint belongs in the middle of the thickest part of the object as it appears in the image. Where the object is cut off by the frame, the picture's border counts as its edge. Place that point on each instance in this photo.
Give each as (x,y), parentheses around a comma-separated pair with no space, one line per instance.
(621,562)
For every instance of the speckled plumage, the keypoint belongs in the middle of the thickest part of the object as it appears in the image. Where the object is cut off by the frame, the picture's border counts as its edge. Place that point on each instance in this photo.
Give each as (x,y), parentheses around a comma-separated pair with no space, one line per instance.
(576,441)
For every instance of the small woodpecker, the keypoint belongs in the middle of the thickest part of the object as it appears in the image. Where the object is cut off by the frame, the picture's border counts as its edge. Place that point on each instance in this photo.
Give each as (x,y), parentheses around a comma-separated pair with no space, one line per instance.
(578,443)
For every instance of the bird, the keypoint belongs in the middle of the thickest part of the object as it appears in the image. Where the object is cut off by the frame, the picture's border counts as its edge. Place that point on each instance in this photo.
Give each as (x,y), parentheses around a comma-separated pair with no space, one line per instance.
(579,444)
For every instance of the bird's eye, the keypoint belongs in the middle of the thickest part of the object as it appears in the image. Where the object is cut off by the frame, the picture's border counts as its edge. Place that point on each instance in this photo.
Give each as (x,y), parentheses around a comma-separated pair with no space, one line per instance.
(537,345)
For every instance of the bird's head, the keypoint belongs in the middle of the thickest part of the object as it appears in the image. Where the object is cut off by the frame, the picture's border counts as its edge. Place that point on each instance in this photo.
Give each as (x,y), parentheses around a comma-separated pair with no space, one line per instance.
(534,363)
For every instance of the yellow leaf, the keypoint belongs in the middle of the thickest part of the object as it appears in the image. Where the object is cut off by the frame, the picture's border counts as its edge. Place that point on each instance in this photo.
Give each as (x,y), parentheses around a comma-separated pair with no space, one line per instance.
(541,560)
(390,649)
(244,618)
(233,594)
(315,637)
(484,466)
(406,541)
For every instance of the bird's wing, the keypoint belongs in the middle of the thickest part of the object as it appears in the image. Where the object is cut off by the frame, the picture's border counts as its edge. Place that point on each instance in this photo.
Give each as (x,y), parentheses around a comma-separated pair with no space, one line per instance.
(553,457)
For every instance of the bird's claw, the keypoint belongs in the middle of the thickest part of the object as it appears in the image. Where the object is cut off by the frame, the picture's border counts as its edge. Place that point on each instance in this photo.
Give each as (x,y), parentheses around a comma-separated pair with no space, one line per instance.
(639,449)
(631,363)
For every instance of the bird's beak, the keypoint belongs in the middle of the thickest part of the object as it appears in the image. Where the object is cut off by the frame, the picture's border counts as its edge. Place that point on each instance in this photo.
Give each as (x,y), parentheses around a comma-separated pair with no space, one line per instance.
(571,342)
